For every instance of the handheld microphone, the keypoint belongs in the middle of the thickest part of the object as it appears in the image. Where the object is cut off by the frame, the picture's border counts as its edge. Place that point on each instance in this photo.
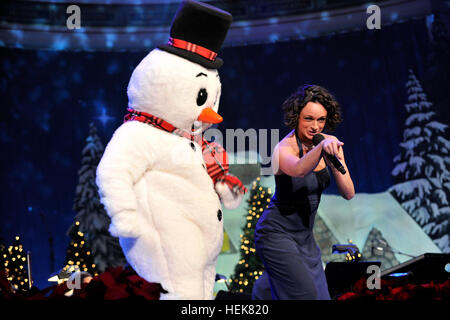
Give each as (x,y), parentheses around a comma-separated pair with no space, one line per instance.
(334,161)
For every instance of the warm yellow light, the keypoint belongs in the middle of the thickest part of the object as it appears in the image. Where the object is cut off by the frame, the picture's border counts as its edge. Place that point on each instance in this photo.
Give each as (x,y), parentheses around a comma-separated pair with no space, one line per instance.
(53,279)
(17,238)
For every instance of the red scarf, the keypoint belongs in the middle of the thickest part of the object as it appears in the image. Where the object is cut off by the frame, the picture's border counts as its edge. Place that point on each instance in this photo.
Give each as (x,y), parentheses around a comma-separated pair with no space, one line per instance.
(214,154)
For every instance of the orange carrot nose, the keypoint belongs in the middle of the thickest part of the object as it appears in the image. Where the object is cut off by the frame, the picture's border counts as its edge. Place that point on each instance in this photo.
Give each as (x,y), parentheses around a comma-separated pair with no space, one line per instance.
(210,116)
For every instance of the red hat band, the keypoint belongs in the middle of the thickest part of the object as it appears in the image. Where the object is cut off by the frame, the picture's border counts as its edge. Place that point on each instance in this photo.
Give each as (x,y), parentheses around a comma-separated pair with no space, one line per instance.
(188,46)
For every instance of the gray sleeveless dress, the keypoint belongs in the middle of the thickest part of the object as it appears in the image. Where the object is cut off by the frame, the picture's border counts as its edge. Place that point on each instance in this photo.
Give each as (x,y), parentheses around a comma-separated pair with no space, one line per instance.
(284,240)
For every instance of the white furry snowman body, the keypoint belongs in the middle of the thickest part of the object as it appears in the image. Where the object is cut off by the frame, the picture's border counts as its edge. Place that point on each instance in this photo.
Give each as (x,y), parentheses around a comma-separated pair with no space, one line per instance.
(162,202)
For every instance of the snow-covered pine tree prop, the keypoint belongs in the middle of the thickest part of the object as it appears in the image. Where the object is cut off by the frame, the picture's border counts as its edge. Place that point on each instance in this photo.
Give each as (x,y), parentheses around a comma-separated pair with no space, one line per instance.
(422,169)
(250,267)
(91,215)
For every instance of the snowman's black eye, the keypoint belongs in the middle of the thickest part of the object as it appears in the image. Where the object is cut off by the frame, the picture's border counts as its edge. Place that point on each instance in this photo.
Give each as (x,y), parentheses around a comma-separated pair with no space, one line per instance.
(201,97)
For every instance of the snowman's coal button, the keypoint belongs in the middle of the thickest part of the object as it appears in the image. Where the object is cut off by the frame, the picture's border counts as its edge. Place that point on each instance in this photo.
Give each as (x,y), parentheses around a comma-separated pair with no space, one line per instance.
(203,165)
(219,214)
(192,146)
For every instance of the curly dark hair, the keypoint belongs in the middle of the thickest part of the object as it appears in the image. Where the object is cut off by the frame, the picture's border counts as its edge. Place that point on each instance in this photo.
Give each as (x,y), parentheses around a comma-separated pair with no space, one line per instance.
(306,93)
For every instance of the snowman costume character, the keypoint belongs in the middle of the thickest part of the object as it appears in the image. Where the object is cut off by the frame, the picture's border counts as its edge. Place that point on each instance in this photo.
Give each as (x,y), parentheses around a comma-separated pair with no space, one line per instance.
(164,206)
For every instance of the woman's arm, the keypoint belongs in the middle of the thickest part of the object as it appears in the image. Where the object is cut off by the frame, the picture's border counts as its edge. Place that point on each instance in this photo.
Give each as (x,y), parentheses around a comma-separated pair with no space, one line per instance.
(286,159)
(343,181)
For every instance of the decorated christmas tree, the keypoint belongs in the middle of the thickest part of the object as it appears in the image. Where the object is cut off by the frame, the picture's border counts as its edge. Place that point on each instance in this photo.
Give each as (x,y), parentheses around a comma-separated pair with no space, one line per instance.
(15,262)
(422,168)
(250,267)
(78,253)
(91,219)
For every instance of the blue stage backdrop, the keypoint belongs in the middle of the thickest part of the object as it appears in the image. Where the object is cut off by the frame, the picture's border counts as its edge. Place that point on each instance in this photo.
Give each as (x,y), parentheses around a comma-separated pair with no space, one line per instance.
(50,97)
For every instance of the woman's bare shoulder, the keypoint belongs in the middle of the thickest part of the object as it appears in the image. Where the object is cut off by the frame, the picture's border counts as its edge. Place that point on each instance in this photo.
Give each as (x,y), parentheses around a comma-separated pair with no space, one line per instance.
(288,143)
(287,146)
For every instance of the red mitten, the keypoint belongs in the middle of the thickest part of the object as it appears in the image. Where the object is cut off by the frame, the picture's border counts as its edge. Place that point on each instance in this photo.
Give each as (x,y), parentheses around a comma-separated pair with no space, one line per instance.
(233,183)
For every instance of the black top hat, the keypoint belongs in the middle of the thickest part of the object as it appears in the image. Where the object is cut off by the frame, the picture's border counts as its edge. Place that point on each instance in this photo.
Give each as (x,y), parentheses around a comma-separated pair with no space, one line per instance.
(197,33)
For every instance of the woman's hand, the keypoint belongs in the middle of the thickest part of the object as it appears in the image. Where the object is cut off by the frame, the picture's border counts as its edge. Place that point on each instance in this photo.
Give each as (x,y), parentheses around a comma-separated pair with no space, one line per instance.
(332,146)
